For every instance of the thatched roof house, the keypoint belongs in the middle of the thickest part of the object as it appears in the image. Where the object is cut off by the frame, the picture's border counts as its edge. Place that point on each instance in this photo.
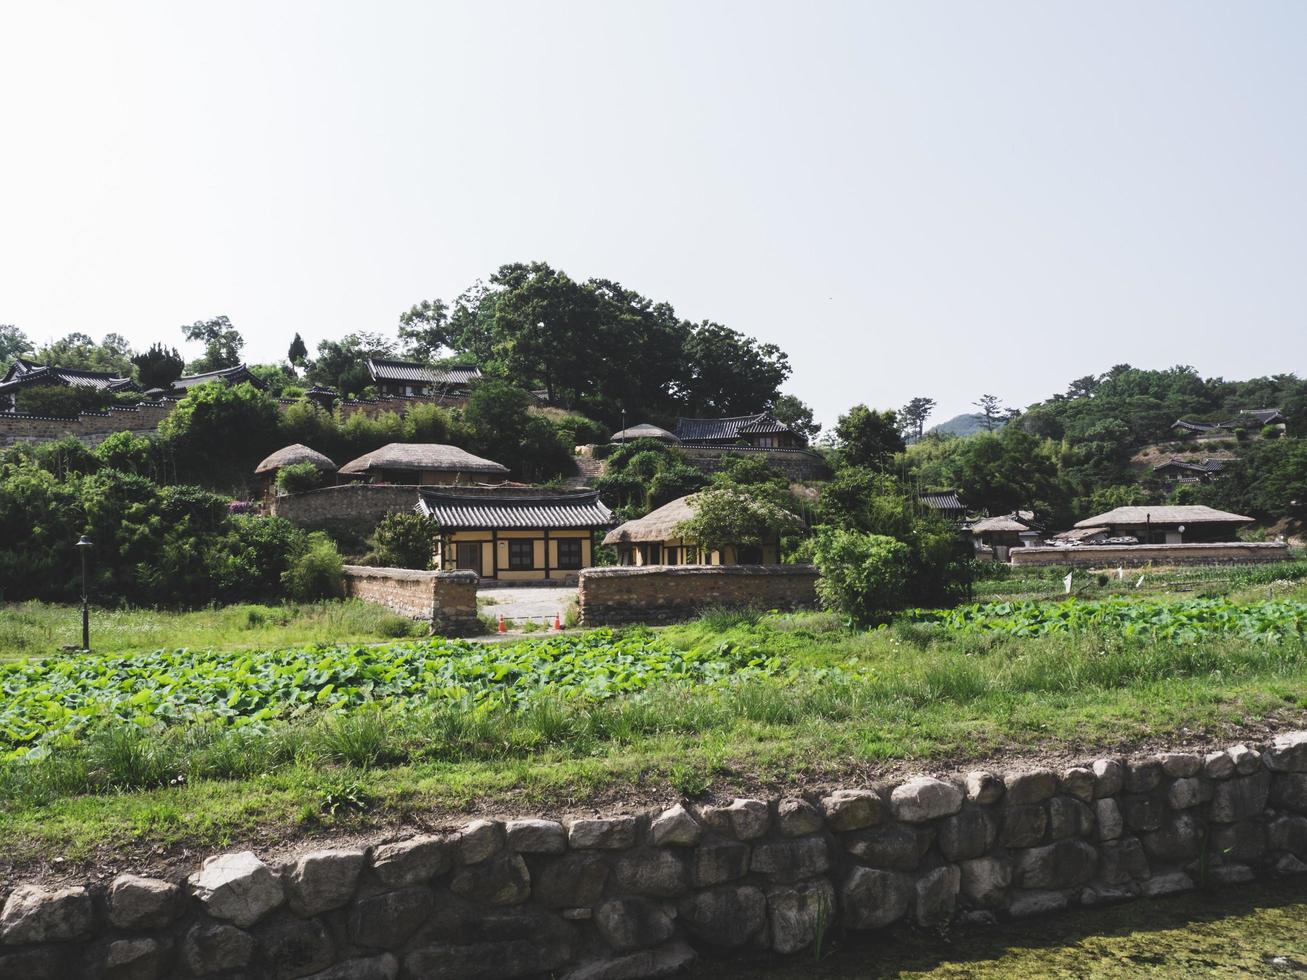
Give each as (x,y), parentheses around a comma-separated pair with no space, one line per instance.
(1169,524)
(996,536)
(297,453)
(655,540)
(645,430)
(423,463)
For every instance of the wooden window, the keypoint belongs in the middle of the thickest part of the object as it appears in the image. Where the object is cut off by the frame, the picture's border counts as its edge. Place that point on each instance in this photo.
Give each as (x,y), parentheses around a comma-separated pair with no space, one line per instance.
(569,554)
(521,555)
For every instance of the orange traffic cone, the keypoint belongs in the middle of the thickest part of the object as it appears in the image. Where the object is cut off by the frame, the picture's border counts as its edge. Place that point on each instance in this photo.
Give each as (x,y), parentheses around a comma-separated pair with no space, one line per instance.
(502,627)
(558,621)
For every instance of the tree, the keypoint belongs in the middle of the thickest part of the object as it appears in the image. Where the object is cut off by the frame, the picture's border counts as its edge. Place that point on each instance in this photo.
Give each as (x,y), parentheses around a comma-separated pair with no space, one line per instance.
(1082,387)
(502,429)
(797,415)
(298,353)
(424,330)
(12,343)
(734,516)
(1010,470)
(341,364)
(222,344)
(863,576)
(221,430)
(915,413)
(866,437)
(158,367)
(992,412)
(113,355)
(728,373)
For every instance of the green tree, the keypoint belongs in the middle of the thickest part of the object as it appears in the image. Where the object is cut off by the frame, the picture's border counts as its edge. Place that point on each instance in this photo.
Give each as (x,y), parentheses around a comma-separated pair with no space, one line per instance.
(913,415)
(424,329)
(866,437)
(158,367)
(13,342)
(342,364)
(734,516)
(864,576)
(222,344)
(404,540)
(112,355)
(218,432)
(298,353)
(728,373)
(992,413)
(797,415)
(502,428)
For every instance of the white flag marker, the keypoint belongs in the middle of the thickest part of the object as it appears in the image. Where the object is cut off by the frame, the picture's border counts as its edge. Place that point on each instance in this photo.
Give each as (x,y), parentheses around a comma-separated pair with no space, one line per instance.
(1140,582)
(1067,582)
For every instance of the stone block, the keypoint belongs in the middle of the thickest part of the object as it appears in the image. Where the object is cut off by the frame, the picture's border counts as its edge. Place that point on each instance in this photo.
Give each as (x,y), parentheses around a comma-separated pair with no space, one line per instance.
(1288,833)
(1030,786)
(38,915)
(1109,777)
(612,833)
(414,861)
(719,861)
(572,881)
(967,834)
(797,913)
(479,840)
(1069,817)
(852,809)
(135,902)
(1287,753)
(791,860)
(1143,775)
(1031,902)
(1024,826)
(1143,812)
(1064,864)
(386,920)
(798,818)
(873,898)
(925,798)
(212,947)
(535,836)
(503,880)
(985,881)
(323,880)
(1177,841)
(937,895)
(1108,824)
(237,887)
(632,923)
(655,871)
(1079,782)
(383,967)
(665,961)
(1179,765)
(676,827)
(289,947)
(1239,797)
(1122,861)
(1289,790)
(1187,792)
(1170,883)
(895,847)
(1218,765)
(1246,760)
(984,787)
(729,916)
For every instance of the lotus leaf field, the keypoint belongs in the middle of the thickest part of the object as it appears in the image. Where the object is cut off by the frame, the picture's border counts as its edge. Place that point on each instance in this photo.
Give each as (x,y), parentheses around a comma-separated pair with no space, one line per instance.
(1184,621)
(48,702)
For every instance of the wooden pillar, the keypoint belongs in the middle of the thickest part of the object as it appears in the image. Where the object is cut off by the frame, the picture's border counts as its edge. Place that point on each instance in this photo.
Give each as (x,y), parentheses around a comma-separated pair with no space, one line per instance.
(546,553)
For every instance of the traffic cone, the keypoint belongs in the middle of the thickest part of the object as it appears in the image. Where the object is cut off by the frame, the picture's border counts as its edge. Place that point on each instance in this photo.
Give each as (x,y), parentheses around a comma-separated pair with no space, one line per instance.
(502,627)
(558,621)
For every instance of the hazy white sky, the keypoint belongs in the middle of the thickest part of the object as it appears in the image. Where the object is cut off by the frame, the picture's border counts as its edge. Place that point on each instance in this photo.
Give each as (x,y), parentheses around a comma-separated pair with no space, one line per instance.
(915,198)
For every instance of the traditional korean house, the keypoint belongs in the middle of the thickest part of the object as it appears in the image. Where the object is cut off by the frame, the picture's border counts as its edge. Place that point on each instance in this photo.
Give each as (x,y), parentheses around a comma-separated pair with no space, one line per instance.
(423,464)
(28,374)
(410,379)
(995,537)
(297,453)
(645,430)
(240,374)
(945,503)
(1176,470)
(515,534)
(761,431)
(1168,525)
(1252,421)
(655,540)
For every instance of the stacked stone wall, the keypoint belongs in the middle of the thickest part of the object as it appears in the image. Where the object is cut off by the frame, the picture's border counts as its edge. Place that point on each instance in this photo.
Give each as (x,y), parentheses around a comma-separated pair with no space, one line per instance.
(447,600)
(1137,555)
(668,593)
(357,507)
(637,895)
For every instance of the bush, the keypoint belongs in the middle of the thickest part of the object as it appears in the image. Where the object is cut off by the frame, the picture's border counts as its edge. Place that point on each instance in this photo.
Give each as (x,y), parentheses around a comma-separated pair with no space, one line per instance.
(577,430)
(317,572)
(128,452)
(863,576)
(403,540)
(298,477)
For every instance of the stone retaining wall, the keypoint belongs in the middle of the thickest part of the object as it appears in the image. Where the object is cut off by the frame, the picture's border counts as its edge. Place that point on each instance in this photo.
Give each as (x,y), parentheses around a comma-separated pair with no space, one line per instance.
(639,894)
(448,600)
(356,506)
(667,593)
(797,465)
(1135,555)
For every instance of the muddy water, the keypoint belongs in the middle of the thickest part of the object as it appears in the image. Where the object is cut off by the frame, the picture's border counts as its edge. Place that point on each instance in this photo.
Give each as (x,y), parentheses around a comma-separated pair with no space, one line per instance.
(1249,931)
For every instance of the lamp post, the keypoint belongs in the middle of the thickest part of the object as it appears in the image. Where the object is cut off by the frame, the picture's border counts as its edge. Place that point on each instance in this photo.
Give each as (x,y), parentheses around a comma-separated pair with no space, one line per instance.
(84,545)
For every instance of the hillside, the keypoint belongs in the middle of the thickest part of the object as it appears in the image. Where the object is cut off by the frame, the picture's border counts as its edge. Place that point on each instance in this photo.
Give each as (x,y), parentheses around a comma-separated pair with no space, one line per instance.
(959,425)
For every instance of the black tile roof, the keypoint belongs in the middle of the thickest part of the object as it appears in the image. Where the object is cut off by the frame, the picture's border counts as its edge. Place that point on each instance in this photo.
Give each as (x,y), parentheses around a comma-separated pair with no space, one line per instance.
(472,510)
(692,430)
(945,500)
(232,375)
(409,372)
(23,373)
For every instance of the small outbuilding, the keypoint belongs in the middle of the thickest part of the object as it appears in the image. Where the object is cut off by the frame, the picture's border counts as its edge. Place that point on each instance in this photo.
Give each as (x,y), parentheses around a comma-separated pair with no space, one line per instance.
(290,455)
(423,464)
(515,534)
(655,540)
(994,537)
(645,430)
(1196,524)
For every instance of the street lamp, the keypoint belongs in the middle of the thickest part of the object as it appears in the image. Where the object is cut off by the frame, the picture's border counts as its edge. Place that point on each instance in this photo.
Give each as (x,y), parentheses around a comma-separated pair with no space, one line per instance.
(84,545)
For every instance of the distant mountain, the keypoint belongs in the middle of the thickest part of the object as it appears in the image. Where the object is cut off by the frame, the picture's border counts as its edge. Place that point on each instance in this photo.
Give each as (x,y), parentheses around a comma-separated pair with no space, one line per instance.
(960,425)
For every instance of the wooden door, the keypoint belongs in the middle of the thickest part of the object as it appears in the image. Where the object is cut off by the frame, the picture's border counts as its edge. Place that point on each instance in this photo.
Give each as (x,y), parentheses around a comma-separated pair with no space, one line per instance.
(468,556)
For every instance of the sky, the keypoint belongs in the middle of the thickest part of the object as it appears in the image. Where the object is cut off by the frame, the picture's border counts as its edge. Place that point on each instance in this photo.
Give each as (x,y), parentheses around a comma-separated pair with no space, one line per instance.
(938,199)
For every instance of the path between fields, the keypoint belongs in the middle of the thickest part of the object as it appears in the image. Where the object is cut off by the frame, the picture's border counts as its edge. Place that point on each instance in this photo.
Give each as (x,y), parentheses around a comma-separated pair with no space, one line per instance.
(538,604)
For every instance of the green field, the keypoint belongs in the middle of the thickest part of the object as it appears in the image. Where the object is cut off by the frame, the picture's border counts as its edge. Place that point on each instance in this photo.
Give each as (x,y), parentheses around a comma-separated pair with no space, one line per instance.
(205,746)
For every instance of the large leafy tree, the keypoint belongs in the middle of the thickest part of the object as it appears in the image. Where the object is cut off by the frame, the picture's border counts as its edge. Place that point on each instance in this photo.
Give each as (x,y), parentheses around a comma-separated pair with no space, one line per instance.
(222,344)
(341,364)
(112,355)
(913,415)
(12,343)
(158,367)
(424,329)
(797,415)
(869,438)
(728,373)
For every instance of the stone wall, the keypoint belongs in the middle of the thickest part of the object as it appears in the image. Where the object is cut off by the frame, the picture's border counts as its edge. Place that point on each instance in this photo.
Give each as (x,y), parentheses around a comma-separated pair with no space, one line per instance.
(641,894)
(668,593)
(93,427)
(358,507)
(797,465)
(1135,555)
(448,600)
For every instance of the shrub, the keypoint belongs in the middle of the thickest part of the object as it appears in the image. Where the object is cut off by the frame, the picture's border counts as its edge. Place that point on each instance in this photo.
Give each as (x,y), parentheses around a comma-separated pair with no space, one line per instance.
(403,540)
(863,576)
(577,430)
(317,572)
(298,477)
(128,452)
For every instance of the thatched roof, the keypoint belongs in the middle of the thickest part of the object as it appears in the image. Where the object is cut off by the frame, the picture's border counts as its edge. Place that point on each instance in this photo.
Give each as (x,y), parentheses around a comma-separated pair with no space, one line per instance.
(1197,514)
(295,454)
(423,456)
(657,525)
(1022,520)
(645,430)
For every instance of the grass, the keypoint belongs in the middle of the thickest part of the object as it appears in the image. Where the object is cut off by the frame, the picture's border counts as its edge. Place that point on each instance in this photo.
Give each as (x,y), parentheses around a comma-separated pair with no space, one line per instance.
(38,629)
(845,705)
(1255,930)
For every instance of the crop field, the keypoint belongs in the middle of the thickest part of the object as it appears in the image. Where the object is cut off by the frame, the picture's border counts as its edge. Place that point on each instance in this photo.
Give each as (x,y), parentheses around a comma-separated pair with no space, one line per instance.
(200,745)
